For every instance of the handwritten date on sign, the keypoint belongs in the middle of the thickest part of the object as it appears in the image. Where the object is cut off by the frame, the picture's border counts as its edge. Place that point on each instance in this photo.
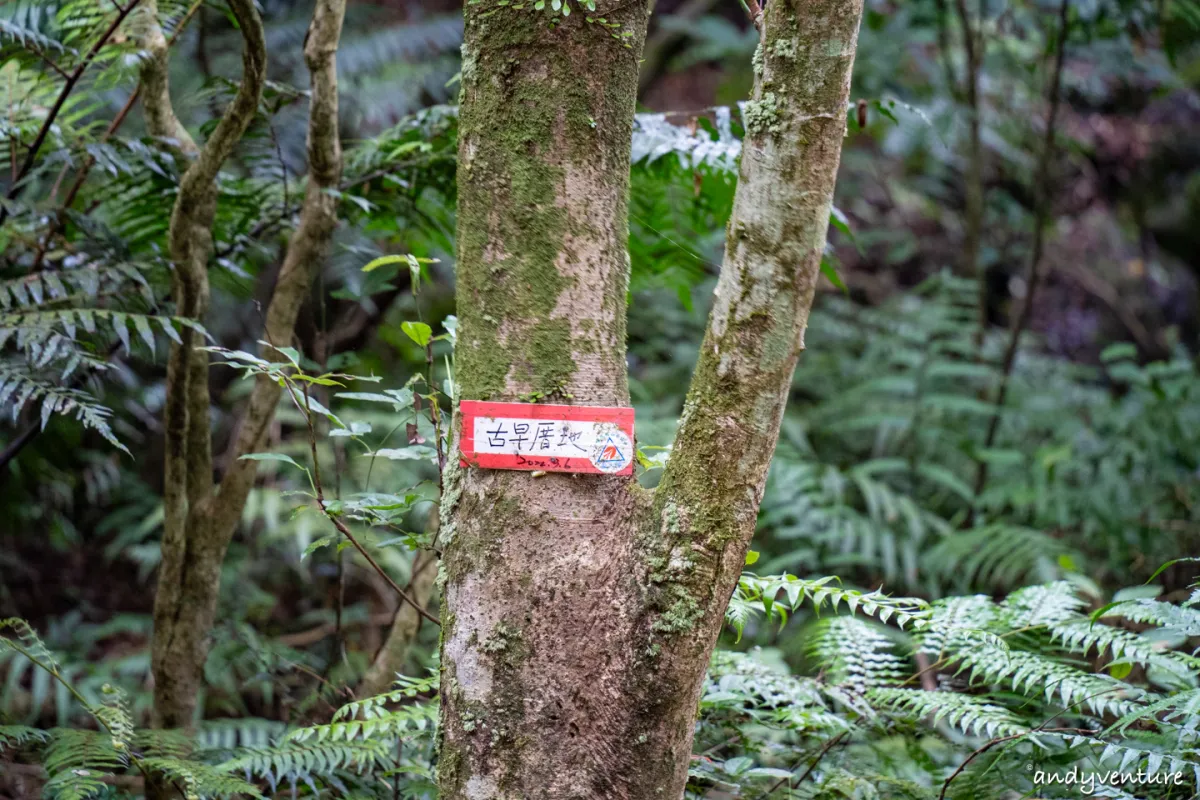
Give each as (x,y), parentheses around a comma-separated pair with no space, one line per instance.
(528,436)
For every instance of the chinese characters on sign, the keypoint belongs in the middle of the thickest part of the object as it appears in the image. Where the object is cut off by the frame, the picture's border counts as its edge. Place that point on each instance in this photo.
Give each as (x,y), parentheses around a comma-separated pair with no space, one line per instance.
(544,437)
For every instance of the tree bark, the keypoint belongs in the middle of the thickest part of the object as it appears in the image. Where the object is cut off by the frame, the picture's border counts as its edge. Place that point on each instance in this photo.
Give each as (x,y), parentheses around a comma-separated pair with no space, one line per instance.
(190,562)
(580,611)
(200,519)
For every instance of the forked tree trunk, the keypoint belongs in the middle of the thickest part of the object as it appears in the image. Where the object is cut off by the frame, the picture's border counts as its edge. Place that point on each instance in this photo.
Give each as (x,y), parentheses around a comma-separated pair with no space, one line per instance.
(580,611)
(200,517)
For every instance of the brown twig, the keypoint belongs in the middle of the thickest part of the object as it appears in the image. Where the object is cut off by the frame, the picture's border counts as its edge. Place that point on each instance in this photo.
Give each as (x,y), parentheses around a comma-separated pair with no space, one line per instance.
(1041,212)
(84,170)
(817,760)
(992,743)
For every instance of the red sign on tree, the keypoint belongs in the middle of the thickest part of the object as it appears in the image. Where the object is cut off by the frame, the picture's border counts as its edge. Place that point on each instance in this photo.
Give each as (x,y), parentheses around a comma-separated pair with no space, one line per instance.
(530,436)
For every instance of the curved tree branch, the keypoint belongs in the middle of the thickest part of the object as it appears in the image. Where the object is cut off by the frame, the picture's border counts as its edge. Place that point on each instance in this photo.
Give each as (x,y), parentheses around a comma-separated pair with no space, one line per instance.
(155,87)
(190,560)
(306,252)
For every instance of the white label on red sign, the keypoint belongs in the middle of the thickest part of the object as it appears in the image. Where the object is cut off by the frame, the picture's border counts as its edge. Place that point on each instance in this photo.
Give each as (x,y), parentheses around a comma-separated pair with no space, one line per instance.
(532,436)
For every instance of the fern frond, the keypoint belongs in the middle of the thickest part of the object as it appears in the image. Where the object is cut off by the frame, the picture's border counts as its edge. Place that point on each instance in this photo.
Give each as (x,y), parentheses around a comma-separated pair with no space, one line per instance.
(419,717)
(17,735)
(955,620)
(17,634)
(76,760)
(246,732)
(743,685)
(201,780)
(292,760)
(1083,637)
(18,387)
(1042,605)
(854,654)
(115,716)
(373,707)
(32,329)
(1000,555)
(38,288)
(971,715)
(1035,675)
(1185,705)
(33,39)
(1178,620)
(775,595)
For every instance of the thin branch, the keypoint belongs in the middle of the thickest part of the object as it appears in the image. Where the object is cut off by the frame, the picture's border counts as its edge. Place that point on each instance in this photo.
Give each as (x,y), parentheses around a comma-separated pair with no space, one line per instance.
(973,44)
(18,185)
(48,61)
(1001,740)
(1041,213)
(117,121)
(337,523)
(813,765)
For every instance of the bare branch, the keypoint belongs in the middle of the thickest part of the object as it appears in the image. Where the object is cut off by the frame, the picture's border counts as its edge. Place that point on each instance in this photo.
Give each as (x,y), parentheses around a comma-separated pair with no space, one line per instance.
(306,251)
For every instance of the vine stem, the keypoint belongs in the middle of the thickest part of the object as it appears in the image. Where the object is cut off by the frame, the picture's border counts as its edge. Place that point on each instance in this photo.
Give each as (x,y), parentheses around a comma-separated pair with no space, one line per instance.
(342,528)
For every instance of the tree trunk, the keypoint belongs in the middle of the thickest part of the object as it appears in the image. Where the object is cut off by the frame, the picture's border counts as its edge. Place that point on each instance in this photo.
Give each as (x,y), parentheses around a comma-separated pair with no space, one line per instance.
(200,519)
(580,611)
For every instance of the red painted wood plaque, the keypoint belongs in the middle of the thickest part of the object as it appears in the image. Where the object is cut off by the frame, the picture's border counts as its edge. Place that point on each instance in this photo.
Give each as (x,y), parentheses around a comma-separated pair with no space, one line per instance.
(532,436)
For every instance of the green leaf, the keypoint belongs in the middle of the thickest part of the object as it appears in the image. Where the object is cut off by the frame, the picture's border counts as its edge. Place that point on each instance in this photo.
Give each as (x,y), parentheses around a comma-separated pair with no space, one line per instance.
(143,328)
(830,271)
(270,457)
(1118,351)
(355,429)
(372,397)
(290,353)
(751,557)
(415,453)
(383,261)
(419,332)
(317,544)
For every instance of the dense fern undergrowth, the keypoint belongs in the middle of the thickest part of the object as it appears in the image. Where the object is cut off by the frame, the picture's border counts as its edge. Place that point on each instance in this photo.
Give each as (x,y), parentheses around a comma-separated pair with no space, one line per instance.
(1013,619)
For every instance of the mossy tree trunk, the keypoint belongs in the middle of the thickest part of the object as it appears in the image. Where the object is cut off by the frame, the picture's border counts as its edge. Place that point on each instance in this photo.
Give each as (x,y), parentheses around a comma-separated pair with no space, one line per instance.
(580,611)
(201,515)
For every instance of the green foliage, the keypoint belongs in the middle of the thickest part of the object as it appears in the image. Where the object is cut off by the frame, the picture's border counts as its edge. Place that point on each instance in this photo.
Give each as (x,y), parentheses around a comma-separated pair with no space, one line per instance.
(1091,480)
(910,710)
(876,467)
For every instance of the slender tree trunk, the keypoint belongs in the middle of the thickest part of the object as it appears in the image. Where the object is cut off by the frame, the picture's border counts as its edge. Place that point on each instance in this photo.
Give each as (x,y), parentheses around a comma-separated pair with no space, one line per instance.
(200,518)
(580,611)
